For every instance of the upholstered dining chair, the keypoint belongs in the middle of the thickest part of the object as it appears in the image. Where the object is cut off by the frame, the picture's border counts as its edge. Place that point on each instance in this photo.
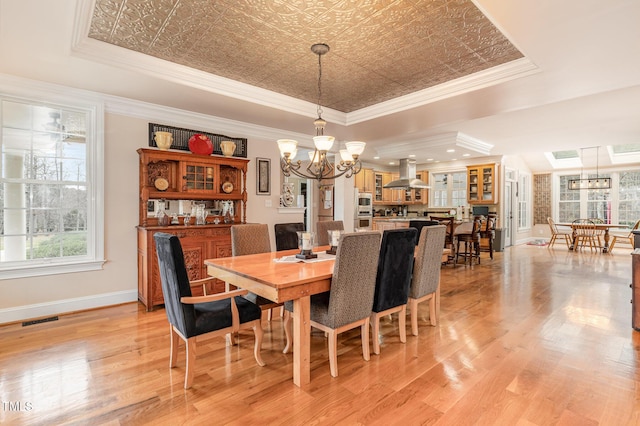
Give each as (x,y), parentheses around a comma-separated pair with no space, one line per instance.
(585,234)
(286,235)
(253,238)
(418,224)
(322,228)
(393,279)
(425,280)
(191,317)
(348,304)
(556,231)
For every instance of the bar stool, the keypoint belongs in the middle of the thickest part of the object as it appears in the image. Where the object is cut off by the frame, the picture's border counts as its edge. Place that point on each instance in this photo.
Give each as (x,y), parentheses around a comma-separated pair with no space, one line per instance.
(469,234)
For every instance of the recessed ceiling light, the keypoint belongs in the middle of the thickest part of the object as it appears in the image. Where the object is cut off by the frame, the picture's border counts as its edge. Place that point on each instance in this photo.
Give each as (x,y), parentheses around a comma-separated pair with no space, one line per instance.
(453,159)
(429,159)
(412,156)
(466,155)
(391,163)
(451,150)
(376,158)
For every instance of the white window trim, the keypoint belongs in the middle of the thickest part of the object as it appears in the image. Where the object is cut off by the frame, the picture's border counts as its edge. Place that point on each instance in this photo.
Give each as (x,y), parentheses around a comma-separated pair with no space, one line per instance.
(529,193)
(38,93)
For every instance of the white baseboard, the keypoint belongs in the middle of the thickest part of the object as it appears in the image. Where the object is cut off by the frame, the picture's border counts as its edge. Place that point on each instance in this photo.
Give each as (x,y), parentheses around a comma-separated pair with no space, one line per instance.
(38,310)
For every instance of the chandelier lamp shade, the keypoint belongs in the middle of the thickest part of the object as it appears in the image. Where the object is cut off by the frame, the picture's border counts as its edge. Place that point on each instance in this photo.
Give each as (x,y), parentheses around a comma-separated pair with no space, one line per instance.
(320,167)
(591,183)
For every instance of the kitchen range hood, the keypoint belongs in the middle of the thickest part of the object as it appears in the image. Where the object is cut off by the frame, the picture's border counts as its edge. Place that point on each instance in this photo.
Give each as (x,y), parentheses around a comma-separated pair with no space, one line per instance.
(407,176)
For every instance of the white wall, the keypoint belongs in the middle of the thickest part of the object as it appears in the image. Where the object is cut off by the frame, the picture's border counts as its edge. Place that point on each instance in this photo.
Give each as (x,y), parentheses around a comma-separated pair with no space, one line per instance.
(125,132)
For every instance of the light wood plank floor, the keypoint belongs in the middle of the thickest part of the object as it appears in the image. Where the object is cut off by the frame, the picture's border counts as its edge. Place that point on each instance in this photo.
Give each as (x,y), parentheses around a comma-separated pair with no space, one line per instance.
(537,336)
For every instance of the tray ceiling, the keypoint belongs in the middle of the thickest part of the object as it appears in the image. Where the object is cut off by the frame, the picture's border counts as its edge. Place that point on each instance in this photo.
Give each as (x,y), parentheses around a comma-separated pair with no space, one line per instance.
(379,50)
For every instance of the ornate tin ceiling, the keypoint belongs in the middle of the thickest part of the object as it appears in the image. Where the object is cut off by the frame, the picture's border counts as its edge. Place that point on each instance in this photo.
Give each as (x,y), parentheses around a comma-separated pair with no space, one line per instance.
(380,50)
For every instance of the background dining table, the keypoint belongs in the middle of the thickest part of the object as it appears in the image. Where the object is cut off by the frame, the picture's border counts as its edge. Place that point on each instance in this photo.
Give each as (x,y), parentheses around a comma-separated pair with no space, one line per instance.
(599,226)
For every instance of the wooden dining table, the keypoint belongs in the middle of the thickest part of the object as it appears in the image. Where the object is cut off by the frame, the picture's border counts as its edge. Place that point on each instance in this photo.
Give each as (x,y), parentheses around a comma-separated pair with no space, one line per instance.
(282,282)
(599,226)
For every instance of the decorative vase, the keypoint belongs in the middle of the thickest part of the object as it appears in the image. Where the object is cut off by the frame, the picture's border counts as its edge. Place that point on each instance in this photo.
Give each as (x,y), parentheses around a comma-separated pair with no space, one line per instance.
(228,148)
(163,140)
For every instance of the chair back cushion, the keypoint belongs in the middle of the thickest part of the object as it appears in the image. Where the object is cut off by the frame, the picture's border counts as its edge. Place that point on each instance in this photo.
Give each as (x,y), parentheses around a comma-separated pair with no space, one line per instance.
(322,227)
(286,237)
(175,283)
(426,269)
(395,266)
(354,279)
(250,238)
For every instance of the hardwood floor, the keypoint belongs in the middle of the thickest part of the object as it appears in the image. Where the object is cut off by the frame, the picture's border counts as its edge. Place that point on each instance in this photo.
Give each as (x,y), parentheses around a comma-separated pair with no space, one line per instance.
(537,336)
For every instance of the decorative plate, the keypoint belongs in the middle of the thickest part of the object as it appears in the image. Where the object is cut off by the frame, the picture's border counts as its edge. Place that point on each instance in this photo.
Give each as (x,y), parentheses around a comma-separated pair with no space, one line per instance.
(161,184)
(227,187)
(200,144)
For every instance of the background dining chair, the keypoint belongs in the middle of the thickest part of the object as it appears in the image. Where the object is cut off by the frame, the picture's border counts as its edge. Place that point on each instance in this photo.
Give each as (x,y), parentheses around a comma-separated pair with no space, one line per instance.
(190,317)
(253,238)
(623,235)
(286,236)
(322,236)
(395,266)
(562,232)
(418,224)
(348,304)
(469,234)
(488,233)
(585,234)
(449,241)
(425,280)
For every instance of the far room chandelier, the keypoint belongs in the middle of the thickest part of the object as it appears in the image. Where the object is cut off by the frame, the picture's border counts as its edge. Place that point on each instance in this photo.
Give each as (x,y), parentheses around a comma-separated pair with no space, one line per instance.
(591,183)
(319,165)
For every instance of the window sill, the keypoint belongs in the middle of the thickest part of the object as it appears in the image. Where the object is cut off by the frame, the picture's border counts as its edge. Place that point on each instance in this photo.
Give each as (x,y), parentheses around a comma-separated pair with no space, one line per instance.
(41,270)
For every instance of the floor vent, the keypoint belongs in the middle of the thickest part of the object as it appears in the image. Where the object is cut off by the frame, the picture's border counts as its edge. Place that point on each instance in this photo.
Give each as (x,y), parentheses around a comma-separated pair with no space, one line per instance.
(38,321)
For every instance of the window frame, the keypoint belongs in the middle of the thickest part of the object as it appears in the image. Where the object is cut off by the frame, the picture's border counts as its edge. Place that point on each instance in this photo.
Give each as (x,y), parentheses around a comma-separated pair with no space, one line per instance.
(449,189)
(47,95)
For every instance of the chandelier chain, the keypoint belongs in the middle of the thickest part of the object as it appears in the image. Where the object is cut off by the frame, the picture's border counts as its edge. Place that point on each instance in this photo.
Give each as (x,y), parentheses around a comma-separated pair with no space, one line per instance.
(319,85)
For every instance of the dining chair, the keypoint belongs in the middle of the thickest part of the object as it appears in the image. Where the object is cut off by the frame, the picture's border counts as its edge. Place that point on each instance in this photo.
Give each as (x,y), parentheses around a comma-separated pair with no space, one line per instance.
(469,234)
(418,224)
(322,228)
(348,304)
(449,242)
(192,317)
(488,233)
(253,238)
(585,234)
(556,231)
(395,266)
(625,235)
(425,280)
(286,235)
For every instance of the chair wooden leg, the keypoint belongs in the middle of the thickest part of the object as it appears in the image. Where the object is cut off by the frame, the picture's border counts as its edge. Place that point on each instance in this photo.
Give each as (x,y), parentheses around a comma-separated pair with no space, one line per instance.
(402,324)
(434,307)
(364,330)
(191,362)
(258,334)
(269,314)
(173,355)
(375,332)
(333,352)
(413,307)
(288,331)
(552,240)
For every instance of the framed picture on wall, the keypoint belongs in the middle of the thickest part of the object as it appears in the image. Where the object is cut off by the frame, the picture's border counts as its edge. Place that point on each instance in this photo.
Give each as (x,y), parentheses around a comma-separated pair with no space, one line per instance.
(263,176)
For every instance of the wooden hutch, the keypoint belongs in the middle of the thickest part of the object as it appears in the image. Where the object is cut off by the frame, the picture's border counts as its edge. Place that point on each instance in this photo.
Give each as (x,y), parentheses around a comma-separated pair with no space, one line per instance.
(186,177)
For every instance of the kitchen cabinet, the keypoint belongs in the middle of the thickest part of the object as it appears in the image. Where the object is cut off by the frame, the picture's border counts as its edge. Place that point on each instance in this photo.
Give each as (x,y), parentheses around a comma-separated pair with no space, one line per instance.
(382,195)
(365,180)
(417,196)
(384,224)
(186,177)
(482,182)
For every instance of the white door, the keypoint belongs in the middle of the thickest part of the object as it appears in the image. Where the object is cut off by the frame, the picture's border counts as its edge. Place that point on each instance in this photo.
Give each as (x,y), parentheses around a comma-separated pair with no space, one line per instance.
(509,223)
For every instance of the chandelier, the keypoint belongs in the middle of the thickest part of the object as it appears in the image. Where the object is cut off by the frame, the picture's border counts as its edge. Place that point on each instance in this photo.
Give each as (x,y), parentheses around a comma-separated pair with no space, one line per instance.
(591,183)
(319,165)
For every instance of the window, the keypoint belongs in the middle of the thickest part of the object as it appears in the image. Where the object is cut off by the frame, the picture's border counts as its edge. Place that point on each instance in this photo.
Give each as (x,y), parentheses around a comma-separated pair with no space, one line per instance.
(50,188)
(621,204)
(524,214)
(449,190)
